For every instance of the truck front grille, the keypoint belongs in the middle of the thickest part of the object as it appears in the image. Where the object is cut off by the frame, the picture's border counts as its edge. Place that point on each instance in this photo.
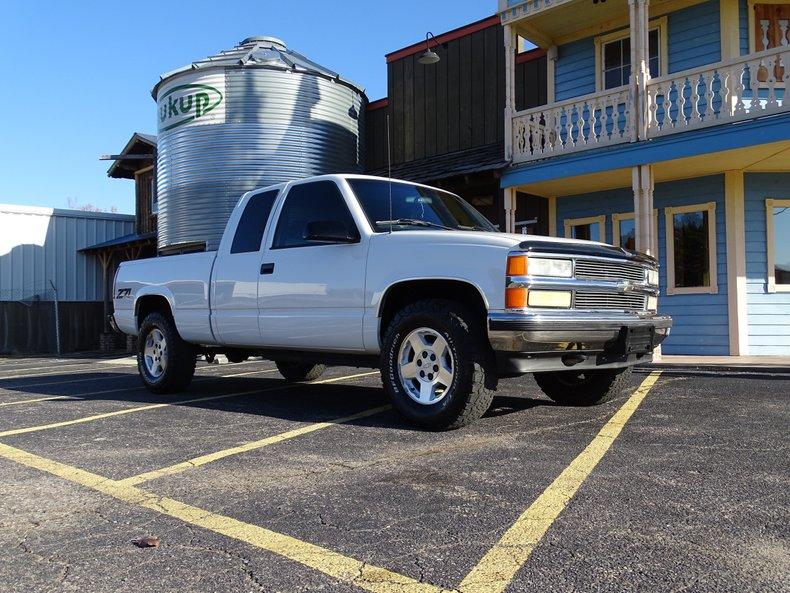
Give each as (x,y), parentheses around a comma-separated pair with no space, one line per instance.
(588,269)
(588,299)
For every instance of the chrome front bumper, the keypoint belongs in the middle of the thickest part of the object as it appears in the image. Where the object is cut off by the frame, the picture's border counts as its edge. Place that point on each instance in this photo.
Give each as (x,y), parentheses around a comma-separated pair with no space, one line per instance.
(558,340)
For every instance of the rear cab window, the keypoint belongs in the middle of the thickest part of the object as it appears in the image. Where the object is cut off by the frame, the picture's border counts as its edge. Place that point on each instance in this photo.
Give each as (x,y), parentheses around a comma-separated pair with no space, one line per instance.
(252,224)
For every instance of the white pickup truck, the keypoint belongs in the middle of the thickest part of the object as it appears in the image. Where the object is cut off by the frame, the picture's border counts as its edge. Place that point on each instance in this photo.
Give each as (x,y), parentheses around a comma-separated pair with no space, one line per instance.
(364,271)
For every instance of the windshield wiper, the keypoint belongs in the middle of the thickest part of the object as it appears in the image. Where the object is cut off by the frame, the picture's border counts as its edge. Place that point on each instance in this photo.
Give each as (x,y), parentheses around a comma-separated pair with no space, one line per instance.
(415,222)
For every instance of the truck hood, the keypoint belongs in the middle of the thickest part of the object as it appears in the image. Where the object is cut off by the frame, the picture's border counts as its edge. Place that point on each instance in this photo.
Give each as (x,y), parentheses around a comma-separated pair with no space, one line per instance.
(508,241)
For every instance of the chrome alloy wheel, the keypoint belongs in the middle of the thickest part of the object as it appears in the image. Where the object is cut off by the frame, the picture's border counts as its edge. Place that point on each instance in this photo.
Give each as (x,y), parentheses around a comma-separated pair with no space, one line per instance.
(155,353)
(426,366)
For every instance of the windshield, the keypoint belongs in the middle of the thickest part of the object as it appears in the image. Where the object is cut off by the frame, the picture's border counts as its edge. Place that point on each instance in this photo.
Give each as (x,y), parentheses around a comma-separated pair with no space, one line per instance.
(415,207)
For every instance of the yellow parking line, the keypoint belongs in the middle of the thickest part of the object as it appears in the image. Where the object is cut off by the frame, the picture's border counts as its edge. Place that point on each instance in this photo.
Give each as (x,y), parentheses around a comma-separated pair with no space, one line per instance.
(83,369)
(119,376)
(102,378)
(53,364)
(277,438)
(336,565)
(497,568)
(38,399)
(165,405)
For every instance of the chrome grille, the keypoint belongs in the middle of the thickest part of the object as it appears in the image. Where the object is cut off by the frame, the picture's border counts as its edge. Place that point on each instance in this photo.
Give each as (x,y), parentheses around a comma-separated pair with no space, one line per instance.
(588,299)
(588,269)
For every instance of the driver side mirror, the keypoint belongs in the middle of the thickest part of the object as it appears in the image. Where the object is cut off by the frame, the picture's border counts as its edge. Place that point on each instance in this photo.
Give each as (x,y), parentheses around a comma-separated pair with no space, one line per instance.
(329,231)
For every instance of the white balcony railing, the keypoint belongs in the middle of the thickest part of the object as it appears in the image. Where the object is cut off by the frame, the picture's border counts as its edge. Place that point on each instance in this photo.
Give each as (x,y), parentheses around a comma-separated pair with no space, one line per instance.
(597,119)
(741,88)
(513,10)
(737,89)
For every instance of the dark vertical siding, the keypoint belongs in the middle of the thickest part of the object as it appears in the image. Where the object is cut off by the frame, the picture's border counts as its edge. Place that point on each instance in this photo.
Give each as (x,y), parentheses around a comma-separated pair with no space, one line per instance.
(407,108)
(144,217)
(453,95)
(465,94)
(456,104)
(530,84)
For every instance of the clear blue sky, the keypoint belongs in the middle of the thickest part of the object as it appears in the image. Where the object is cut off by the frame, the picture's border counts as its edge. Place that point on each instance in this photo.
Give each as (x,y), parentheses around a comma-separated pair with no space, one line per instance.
(78,75)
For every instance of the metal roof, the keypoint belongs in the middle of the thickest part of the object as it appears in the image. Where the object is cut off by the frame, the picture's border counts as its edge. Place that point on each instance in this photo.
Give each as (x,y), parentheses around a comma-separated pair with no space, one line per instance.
(258,52)
(444,166)
(121,241)
(121,169)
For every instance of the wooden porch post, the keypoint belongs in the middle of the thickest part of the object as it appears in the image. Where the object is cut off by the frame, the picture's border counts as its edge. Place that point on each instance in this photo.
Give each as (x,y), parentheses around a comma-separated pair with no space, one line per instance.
(643,185)
(510,210)
(734,215)
(640,66)
(510,88)
(104,260)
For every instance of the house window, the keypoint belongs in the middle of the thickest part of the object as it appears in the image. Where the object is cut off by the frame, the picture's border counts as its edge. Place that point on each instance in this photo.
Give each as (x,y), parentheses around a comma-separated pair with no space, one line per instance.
(691,249)
(589,229)
(624,231)
(778,248)
(613,56)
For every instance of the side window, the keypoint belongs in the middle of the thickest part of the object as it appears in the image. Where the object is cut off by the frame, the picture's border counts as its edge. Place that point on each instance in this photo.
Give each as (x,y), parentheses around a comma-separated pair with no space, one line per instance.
(691,249)
(252,223)
(308,202)
(778,236)
(589,229)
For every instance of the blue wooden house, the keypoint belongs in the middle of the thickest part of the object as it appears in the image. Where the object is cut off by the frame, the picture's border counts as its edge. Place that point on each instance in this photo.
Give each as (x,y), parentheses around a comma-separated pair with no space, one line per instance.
(667,131)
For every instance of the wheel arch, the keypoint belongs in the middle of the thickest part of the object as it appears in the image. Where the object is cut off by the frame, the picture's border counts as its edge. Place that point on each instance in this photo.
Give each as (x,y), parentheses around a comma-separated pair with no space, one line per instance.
(400,293)
(150,302)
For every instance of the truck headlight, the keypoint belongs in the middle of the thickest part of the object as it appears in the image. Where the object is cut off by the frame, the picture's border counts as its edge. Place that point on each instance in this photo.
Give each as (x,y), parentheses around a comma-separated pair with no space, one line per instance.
(521,265)
(652,277)
(554,299)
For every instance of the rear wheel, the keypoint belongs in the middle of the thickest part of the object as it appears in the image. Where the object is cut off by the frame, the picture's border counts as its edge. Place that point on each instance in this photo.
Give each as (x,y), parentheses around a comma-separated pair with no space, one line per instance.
(437,366)
(236,357)
(296,372)
(583,388)
(166,363)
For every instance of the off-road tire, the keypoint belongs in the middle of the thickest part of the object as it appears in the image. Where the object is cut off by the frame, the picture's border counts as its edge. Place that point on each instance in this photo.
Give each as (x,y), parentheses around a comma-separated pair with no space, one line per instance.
(583,388)
(236,357)
(475,377)
(181,356)
(297,372)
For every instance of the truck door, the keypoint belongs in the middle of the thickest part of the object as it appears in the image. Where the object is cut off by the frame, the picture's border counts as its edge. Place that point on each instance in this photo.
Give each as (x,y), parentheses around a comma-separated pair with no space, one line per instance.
(234,280)
(312,278)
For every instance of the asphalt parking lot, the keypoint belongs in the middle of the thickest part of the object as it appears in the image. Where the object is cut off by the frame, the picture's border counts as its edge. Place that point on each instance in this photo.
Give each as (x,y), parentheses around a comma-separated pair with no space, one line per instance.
(252,484)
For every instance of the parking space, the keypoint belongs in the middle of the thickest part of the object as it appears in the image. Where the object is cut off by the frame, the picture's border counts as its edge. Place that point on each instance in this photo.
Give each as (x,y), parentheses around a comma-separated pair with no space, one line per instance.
(254,484)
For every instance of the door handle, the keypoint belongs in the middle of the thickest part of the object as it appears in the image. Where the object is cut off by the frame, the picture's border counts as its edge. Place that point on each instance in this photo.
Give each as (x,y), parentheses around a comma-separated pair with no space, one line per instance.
(267,268)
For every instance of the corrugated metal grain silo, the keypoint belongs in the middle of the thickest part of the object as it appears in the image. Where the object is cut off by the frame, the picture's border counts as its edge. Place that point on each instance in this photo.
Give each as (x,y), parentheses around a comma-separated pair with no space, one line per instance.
(244,118)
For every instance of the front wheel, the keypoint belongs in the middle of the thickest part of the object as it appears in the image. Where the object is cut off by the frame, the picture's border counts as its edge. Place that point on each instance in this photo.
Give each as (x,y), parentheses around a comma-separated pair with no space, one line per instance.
(437,366)
(583,388)
(166,363)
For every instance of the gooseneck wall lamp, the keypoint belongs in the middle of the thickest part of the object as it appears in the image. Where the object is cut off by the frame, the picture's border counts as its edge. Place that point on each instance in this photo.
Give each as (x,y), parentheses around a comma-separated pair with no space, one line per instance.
(428,56)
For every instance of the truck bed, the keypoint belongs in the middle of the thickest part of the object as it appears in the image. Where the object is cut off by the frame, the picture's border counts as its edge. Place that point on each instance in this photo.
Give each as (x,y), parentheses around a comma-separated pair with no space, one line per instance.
(183,279)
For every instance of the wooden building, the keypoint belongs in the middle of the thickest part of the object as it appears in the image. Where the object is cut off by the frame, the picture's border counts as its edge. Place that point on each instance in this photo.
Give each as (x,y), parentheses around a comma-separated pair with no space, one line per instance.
(447,118)
(136,161)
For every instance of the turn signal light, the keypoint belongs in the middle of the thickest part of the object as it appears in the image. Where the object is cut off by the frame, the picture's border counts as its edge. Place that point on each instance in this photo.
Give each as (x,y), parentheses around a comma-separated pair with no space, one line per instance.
(517,265)
(515,298)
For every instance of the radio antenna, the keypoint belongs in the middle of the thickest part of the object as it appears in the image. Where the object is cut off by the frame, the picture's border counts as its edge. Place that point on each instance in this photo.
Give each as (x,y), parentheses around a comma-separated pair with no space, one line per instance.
(389,169)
